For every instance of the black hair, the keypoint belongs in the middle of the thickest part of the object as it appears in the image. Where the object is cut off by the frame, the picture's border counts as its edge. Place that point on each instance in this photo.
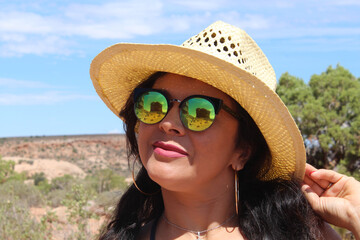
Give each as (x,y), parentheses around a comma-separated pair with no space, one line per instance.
(275,209)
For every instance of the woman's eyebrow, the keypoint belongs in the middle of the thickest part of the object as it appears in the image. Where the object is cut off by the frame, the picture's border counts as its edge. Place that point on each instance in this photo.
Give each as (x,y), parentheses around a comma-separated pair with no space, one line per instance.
(165,92)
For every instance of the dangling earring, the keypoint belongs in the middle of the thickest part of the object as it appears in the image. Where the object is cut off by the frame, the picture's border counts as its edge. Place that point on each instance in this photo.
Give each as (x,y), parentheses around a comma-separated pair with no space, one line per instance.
(236,192)
(137,187)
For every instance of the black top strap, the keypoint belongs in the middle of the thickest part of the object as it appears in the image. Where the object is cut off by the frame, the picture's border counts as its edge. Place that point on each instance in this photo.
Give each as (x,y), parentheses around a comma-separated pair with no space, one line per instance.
(153,229)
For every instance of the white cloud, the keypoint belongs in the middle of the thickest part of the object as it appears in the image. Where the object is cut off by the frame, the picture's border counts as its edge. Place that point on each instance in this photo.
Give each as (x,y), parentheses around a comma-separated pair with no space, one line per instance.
(311,33)
(115,131)
(46,98)
(247,21)
(12,37)
(115,19)
(13,83)
(31,33)
(37,45)
(26,22)
(24,31)
(202,5)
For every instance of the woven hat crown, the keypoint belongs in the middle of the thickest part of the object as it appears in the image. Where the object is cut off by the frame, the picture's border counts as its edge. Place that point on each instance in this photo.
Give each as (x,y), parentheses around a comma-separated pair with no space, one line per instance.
(235,46)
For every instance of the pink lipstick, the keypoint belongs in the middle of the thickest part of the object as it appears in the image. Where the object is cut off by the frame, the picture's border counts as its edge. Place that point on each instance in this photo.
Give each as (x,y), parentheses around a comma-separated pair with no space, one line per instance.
(168,150)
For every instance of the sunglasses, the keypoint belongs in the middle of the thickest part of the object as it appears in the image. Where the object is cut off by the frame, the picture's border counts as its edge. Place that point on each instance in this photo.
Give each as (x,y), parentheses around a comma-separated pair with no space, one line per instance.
(197,112)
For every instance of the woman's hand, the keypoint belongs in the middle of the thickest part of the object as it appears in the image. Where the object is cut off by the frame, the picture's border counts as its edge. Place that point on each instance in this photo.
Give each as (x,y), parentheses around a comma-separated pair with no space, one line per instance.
(335,197)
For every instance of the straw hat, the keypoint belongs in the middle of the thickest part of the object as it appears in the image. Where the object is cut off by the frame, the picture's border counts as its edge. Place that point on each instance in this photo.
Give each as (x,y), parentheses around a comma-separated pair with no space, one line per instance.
(223,56)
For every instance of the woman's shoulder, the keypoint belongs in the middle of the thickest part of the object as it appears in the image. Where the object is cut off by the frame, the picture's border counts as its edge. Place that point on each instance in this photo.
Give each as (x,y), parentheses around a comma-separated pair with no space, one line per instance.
(145,231)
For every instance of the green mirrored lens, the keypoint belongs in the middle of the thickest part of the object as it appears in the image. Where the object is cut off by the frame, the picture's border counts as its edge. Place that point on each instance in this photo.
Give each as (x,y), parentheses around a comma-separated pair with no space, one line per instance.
(151,107)
(197,114)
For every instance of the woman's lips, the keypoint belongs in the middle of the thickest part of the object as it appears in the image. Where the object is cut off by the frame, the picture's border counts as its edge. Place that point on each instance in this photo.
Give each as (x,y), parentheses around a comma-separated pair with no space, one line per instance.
(168,150)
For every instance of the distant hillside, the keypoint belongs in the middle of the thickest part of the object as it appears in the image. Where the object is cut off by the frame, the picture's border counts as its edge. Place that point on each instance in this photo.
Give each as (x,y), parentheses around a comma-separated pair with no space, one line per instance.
(88,152)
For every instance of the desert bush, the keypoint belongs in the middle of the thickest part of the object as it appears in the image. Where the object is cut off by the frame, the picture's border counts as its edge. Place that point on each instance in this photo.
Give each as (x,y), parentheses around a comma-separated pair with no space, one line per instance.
(76,202)
(7,173)
(38,177)
(55,197)
(104,180)
(44,186)
(118,182)
(6,169)
(28,194)
(16,223)
(108,200)
(74,150)
(41,182)
(63,183)
(17,177)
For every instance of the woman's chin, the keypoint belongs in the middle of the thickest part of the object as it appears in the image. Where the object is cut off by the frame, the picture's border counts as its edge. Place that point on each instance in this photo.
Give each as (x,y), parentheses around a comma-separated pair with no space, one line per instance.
(167,178)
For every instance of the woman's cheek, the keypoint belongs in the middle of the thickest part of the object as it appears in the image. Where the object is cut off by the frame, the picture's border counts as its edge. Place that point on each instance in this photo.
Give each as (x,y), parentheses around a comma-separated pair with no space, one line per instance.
(144,146)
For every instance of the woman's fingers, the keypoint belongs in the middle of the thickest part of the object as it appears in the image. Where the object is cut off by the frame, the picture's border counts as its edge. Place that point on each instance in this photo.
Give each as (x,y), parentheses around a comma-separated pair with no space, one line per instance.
(313,185)
(324,182)
(335,197)
(309,173)
(311,196)
(326,175)
(309,168)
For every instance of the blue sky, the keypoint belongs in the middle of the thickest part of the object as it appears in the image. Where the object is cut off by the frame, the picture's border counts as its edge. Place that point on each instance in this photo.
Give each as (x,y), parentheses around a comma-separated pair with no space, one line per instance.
(46,48)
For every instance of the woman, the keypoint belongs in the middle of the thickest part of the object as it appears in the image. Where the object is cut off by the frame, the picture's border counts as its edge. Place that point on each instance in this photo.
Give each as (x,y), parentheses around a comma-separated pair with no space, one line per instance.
(221,156)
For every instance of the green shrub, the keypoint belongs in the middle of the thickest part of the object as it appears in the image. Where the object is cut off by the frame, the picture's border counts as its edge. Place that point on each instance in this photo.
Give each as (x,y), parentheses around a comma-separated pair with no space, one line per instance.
(6,169)
(28,194)
(76,202)
(39,177)
(108,200)
(44,187)
(63,183)
(17,177)
(16,223)
(55,197)
(118,183)
(104,180)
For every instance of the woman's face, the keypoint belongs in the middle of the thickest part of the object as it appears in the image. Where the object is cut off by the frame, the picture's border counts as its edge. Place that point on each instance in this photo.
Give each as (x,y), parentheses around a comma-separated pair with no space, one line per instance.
(179,159)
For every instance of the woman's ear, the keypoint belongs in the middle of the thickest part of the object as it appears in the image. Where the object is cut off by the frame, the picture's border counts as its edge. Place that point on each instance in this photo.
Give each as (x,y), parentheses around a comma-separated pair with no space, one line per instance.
(241,157)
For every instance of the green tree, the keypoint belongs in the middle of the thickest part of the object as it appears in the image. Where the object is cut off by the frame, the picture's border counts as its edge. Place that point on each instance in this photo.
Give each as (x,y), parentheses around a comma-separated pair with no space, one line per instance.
(296,95)
(327,112)
(339,93)
(6,170)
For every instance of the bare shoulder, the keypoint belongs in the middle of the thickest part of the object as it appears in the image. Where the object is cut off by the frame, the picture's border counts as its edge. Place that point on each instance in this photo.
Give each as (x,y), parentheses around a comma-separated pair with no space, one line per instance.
(145,231)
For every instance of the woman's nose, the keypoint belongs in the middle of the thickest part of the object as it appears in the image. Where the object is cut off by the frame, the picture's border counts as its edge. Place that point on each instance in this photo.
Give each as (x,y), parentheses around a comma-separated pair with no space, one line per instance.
(172,124)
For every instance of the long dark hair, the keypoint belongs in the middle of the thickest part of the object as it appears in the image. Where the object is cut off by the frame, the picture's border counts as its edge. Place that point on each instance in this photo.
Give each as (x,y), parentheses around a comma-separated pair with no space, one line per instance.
(274,209)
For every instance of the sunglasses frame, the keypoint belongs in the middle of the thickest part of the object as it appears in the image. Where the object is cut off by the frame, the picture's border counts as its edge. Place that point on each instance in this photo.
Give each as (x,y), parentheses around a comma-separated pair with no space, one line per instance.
(216,102)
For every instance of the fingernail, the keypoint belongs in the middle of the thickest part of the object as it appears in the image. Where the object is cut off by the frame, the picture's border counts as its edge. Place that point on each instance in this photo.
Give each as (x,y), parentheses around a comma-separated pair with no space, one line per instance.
(311,172)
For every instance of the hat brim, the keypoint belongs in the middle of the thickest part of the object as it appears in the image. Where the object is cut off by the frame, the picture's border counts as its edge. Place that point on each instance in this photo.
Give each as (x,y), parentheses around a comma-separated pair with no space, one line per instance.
(117,70)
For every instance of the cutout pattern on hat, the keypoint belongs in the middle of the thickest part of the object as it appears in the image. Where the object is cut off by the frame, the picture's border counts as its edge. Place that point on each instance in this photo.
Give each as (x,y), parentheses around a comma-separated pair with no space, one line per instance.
(236,47)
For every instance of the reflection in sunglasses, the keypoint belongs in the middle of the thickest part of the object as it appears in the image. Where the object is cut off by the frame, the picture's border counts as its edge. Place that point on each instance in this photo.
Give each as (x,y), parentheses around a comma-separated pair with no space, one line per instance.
(197,112)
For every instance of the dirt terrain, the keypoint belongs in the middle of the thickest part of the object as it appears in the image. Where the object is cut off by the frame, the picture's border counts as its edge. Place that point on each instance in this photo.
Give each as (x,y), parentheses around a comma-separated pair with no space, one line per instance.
(57,155)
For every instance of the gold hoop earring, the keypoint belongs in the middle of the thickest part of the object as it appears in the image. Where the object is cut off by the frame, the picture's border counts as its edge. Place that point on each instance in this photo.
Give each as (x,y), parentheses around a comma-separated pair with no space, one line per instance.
(137,187)
(136,128)
(236,192)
